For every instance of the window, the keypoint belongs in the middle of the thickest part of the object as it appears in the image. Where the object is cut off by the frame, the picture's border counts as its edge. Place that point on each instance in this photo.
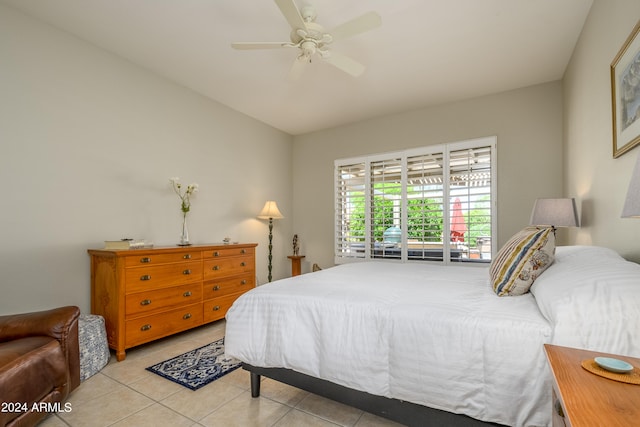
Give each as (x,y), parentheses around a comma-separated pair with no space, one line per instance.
(401,205)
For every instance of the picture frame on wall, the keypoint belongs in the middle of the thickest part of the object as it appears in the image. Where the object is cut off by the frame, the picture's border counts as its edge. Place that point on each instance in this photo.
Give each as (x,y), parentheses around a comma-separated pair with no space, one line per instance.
(625,94)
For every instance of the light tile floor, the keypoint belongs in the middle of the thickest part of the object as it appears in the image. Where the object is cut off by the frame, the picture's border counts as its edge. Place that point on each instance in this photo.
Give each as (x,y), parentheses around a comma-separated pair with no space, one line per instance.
(125,394)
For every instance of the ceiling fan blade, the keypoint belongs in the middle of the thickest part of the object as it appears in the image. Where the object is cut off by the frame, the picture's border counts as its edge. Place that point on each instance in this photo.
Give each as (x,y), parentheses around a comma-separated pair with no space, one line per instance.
(366,22)
(298,67)
(291,14)
(259,45)
(345,64)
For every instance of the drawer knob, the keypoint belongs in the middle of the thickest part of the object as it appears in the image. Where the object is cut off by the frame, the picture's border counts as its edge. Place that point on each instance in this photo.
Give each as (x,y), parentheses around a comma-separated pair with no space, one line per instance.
(186,256)
(216,288)
(216,253)
(187,316)
(216,267)
(145,302)
(242,264)
(216,307)
(145,260)
(145,277)
(242,251)
(243,282)
(145,327)
(187,294)
(186,272)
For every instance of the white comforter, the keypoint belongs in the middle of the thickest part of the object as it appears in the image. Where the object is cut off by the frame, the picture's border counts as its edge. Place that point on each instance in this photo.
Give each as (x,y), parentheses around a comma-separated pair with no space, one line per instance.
(432,335)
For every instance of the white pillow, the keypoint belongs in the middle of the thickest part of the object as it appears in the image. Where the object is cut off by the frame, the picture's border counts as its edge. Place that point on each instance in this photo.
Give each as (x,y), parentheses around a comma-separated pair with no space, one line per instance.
(591,297)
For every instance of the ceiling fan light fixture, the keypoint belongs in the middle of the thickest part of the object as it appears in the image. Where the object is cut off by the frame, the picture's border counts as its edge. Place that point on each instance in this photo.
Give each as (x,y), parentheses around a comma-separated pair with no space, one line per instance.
(310,38)
(309,47)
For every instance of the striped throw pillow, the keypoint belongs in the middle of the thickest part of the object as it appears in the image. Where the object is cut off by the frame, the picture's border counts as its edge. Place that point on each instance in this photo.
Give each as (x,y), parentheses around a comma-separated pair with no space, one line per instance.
(521,260)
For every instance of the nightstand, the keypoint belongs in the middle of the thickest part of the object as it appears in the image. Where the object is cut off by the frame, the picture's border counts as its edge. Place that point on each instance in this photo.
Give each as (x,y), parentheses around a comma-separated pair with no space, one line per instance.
(296,267)
(581,398)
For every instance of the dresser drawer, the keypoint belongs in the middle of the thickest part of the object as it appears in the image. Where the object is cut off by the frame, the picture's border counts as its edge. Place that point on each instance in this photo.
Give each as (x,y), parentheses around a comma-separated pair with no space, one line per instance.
(158,276)
(216,309)
(154,259)
(228,251)
(144,329)
(231,285)
(228,266)
(142,303)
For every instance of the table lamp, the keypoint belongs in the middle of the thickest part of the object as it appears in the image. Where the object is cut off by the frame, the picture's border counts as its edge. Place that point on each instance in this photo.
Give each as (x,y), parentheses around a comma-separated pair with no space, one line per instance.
(555,213)
(632,201)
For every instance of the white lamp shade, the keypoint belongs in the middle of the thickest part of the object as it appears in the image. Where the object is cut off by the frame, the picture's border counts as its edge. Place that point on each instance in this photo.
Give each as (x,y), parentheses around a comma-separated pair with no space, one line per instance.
(555,212)
(270,211)
(632,201)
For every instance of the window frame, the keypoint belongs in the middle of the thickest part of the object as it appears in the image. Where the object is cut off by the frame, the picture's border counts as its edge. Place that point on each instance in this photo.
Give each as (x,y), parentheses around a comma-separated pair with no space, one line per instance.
(445,149)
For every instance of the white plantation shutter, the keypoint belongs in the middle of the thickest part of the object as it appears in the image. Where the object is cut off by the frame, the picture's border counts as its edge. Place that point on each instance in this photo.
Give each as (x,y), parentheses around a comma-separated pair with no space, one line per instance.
(425,196)
(403,205)
(470,181)
(350,201)
(385,194)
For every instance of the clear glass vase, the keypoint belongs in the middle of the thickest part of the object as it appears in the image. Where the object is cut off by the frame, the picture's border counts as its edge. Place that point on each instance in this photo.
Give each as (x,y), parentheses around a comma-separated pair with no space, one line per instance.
(184,237)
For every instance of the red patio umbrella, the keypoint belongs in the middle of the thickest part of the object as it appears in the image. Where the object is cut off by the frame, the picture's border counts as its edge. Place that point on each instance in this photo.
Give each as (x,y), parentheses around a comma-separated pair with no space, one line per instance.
(458,225)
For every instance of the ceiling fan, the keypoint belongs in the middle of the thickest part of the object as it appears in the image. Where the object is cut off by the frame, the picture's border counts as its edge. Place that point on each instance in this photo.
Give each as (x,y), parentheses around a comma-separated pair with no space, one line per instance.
(312,40)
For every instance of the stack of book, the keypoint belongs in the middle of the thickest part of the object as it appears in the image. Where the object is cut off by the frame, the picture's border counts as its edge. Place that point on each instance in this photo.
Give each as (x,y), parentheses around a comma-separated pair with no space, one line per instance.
(127,244)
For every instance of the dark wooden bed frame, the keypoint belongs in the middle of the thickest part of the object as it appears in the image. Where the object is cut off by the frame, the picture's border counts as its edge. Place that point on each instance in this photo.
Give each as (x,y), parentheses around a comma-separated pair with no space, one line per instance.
(407,413)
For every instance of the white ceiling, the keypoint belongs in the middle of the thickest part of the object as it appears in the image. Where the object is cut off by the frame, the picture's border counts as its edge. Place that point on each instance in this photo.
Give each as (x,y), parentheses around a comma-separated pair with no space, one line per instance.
(426,52)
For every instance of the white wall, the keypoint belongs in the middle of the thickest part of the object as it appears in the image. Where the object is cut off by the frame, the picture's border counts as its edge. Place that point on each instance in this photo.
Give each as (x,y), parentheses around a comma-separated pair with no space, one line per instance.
(89,142)
(597,180)
(527,122)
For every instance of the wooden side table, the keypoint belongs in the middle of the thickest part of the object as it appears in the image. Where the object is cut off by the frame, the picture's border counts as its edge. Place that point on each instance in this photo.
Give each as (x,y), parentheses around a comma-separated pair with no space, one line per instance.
(587,399)
(296,268)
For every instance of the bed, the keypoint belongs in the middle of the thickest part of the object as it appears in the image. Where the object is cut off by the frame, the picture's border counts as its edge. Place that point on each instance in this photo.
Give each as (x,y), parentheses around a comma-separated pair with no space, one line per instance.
(428,344)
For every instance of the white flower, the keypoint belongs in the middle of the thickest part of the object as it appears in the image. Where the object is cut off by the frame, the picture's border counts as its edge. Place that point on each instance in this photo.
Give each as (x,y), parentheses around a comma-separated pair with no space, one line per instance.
(185,205)
(192,188)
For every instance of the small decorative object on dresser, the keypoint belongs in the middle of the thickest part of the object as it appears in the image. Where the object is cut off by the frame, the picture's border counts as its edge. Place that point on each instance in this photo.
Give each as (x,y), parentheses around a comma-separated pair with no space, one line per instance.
(185,206)
(146,294)
(296,248)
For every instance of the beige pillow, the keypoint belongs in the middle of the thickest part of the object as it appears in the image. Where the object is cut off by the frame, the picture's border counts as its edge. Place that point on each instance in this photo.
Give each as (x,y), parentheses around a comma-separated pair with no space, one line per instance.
(521,260)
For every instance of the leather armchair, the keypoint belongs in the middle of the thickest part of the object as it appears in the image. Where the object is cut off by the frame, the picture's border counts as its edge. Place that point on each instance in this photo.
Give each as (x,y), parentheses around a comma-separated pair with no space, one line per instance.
(39,364)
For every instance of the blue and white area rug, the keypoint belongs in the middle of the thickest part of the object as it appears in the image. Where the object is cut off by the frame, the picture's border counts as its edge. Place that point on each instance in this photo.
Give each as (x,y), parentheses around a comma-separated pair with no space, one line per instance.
(198,367)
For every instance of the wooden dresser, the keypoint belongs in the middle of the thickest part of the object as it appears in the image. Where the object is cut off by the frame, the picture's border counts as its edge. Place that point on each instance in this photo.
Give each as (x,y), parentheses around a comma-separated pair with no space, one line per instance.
(146,294)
